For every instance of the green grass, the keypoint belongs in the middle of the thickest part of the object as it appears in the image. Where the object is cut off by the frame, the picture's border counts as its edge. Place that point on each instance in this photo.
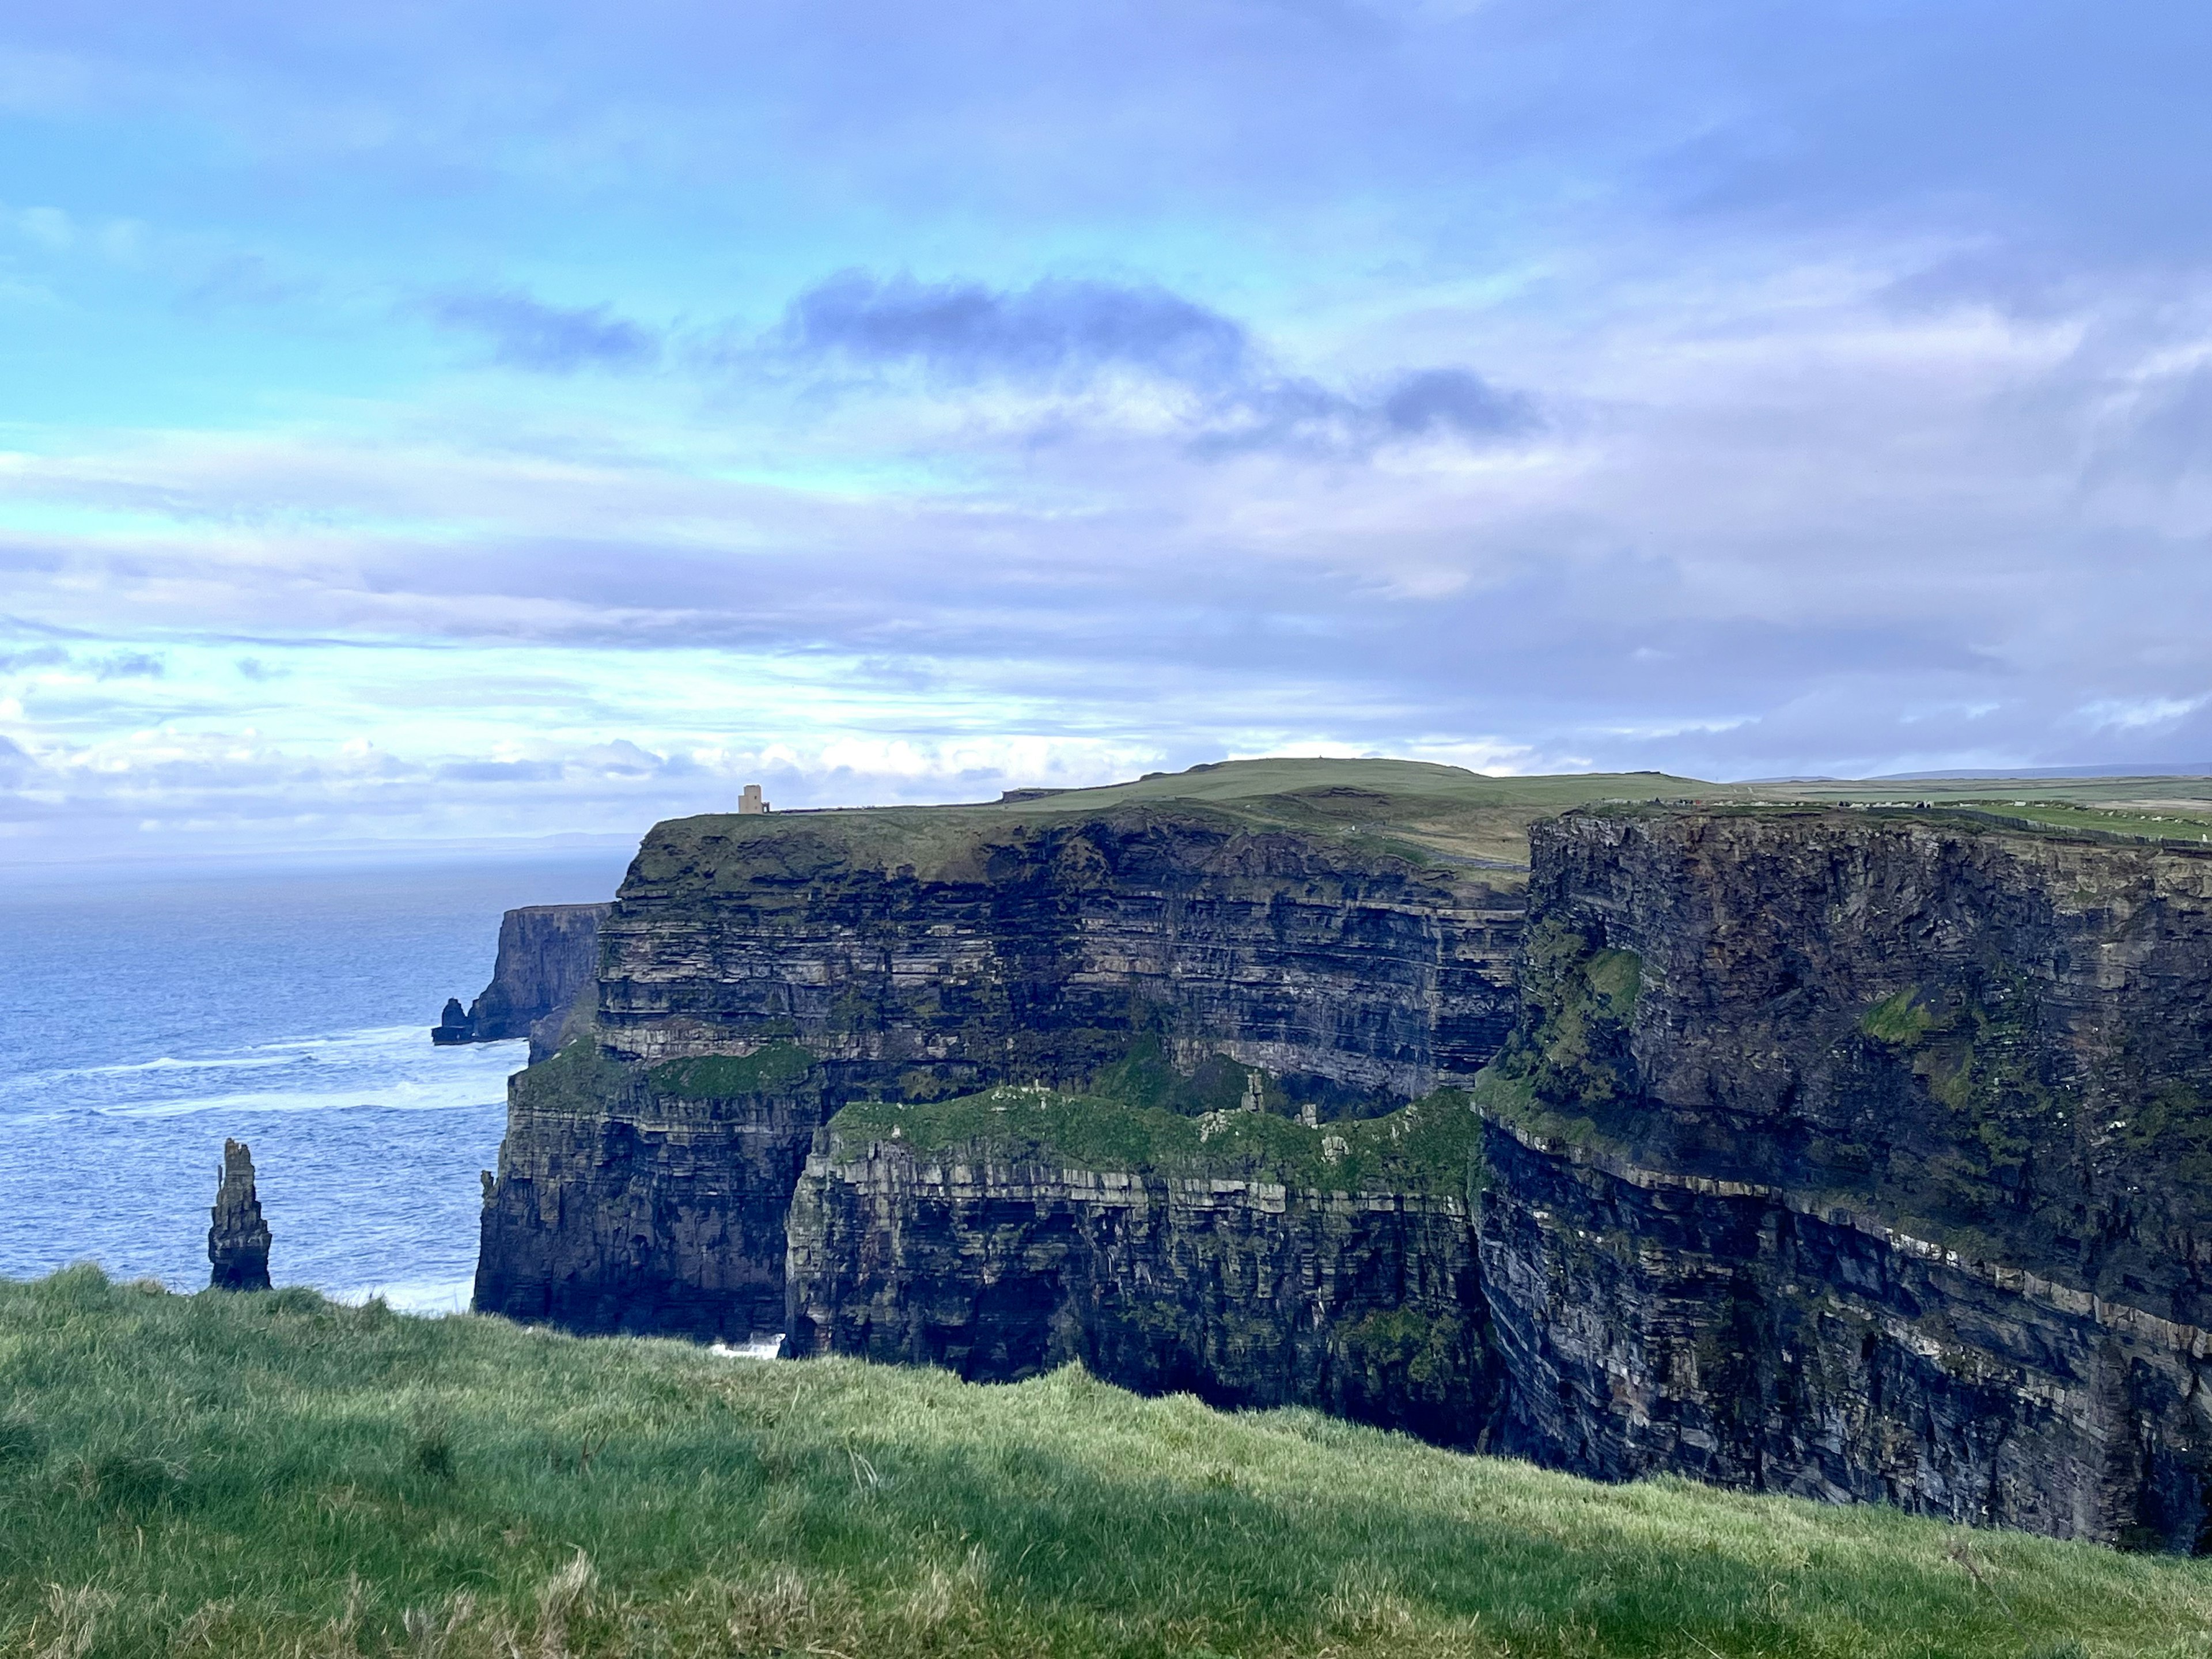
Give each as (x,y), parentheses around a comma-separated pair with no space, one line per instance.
(1463,823)
(721,1076)
(275,1476)
(1901,1020)
(1432,1145)
(1413,809)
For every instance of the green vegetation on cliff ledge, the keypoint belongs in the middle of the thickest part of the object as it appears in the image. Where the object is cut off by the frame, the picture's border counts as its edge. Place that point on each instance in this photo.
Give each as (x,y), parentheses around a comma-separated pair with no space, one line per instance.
(265,1476)
(723,1077)
(1579,1003)
(1433,1146)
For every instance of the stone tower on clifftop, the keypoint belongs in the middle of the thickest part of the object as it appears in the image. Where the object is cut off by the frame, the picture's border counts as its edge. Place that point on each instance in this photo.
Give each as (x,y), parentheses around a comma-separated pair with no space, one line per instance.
(238,1243)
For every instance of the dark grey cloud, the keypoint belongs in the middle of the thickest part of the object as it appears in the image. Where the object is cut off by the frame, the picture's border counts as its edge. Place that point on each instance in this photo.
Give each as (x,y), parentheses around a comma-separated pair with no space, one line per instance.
(526,333)
(1051,329)
(1455,400)
(128,665)
(1064,332)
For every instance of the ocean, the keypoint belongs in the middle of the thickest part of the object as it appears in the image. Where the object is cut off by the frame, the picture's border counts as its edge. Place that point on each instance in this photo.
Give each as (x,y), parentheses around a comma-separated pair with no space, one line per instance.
(144,1017)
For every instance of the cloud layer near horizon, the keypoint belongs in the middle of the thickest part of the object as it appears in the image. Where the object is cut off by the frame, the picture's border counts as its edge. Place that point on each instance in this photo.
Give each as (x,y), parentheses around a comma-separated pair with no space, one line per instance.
(473,421)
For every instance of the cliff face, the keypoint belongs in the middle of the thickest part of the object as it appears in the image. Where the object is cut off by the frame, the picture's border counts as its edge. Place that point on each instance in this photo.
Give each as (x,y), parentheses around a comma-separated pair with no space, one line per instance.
(634,1200)
(1863,1156)
(1852,1154)
(1174,958)
(927,957)
(548,958)
(1227,1276)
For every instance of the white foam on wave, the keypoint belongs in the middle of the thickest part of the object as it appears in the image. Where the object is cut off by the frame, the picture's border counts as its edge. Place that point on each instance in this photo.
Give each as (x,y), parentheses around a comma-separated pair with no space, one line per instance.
(392,1068)
(460,1095)
(411,1038)
(429,1298)
(165,1063)
(405,1046)
(755,1347)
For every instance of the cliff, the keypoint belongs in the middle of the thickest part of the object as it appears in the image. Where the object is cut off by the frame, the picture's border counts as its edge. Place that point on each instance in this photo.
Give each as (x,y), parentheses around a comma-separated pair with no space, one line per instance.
(1329,950)
(548,959)
(1863,1155)
(1246,1259)
(1852,1153)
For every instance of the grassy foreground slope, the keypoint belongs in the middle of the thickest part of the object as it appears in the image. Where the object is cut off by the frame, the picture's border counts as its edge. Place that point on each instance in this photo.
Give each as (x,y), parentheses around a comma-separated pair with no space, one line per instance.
(274,1474)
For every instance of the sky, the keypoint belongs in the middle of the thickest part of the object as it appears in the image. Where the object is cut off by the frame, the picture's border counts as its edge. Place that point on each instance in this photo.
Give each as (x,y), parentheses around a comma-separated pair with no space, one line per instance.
(428,422)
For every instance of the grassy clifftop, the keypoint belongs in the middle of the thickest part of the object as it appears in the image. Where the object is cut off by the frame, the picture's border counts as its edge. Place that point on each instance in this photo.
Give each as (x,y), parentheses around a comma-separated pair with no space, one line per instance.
(1411,809)
(273,1474)
(1415,809)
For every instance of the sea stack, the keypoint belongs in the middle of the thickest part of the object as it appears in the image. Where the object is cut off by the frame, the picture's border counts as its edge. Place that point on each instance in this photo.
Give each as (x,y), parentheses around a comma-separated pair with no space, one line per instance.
(238,1243)
(453,1025)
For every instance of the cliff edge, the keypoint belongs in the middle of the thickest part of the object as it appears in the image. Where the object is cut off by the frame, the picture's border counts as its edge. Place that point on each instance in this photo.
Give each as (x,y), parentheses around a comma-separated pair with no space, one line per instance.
(1331,940)
(548,961)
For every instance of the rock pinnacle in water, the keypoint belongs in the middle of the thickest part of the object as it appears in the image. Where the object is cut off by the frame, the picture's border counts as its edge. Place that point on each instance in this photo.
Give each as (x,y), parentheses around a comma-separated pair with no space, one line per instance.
(238,1243)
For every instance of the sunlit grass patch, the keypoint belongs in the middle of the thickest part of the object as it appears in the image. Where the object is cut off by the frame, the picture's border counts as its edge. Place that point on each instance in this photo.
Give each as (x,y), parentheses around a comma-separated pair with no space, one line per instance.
(277,1474)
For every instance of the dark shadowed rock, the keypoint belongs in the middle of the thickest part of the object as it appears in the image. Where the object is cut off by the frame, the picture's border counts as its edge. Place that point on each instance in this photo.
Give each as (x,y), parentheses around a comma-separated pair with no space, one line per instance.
(238,1242)
(1863,1155)
(1247,1284)
(548,958)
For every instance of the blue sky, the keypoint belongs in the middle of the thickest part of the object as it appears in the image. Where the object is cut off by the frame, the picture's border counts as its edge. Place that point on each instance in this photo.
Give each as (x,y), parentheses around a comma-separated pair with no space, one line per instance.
(452,421)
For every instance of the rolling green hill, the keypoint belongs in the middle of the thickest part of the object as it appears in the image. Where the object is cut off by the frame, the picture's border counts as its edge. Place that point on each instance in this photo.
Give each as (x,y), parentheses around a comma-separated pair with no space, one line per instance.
(276,1475)
(1425,810)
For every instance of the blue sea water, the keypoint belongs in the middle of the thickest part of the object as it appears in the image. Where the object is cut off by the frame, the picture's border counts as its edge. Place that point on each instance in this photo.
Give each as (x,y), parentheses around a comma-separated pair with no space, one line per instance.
(145,1018)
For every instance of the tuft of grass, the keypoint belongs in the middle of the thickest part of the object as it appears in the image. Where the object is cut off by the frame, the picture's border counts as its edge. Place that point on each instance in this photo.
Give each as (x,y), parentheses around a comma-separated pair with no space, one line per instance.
(732,1507)
(430,1450)
(1901,1020)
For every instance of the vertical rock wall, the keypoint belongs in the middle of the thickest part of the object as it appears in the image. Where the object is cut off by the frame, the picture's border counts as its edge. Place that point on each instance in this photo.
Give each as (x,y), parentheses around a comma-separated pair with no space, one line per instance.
(634,1202)
(1247,1290)
(939,959)
(916,956)
(549,958)
(1867,1156)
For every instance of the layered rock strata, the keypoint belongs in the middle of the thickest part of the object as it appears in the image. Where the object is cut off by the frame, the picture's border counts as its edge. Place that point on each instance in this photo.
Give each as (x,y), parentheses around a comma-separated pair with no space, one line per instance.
(549,958)
(1230,1278)
(637,1201)
(238,1238)
(1855,1154)
(1651,1322)
(929,958)
(1863,1155)
(922,955)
